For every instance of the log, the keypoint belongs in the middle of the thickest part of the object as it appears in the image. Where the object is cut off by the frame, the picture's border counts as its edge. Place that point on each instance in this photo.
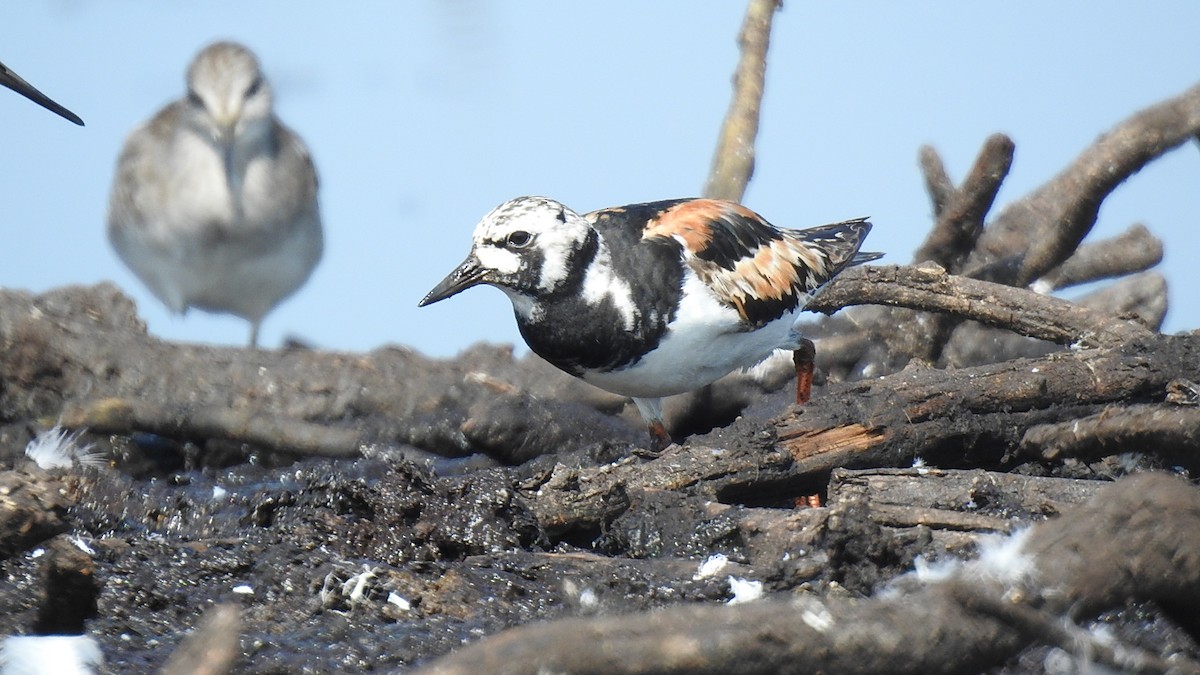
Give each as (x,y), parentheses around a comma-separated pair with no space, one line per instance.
(1016,309)
(926,411)
(975,500)
(83,352)
(1140,297)
(1166,430)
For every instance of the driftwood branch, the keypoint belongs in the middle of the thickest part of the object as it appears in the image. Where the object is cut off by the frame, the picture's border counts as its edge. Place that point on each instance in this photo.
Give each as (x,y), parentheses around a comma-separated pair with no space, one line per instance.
(1163,428)
(986,412)
(1134,250)
(1015,309)
(1036,236)
(937,498)
(1141,298)
(733,161)
(1138,297)
(1071,566)
(960,218)
(1044,227)
(957,227)
(937,181)
(1041,627)
(244,425)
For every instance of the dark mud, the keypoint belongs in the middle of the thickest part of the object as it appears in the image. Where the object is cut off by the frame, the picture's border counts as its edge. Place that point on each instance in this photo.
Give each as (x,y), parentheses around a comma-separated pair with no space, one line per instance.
(380,564)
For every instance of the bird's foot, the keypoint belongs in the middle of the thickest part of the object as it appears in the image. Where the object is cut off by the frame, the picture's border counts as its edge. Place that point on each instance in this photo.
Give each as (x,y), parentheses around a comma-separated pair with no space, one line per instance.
(659,440)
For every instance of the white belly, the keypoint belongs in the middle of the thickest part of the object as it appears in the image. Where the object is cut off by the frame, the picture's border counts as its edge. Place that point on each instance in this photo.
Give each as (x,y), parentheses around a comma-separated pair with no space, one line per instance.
(228,276)
(705,342)
(182,236)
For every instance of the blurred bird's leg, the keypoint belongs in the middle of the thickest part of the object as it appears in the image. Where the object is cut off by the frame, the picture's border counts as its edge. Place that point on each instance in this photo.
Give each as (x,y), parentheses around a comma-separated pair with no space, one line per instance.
(651,410)
(804,357)
(254,323)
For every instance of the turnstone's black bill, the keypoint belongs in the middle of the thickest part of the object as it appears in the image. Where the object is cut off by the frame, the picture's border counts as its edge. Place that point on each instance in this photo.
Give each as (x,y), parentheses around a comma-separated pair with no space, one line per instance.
(650,300)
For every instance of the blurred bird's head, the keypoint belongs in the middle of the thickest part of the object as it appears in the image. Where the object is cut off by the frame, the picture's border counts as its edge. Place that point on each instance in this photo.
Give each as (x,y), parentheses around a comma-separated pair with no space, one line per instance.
(228,98)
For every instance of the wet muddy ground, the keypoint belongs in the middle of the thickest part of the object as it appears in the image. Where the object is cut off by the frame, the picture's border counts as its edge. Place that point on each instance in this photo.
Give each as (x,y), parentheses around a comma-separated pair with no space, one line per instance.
(381,563)
(416,547)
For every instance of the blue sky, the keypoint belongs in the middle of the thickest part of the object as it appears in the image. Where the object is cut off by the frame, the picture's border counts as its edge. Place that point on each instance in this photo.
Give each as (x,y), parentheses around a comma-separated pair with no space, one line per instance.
(423,115)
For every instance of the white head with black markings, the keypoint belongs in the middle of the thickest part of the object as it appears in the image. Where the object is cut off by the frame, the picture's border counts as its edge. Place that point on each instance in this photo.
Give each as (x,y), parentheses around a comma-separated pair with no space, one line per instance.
(526,247)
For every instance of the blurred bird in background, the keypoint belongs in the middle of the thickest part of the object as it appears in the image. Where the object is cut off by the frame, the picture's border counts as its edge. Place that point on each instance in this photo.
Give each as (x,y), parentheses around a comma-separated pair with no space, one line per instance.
(214,202)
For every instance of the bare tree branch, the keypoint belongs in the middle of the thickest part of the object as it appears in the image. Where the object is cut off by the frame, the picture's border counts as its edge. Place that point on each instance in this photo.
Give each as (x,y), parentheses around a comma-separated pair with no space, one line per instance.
(1134,250)
(1039,626)
(937,182)
(733,161)
(1044,227)
(1031,237)
(1140,297)
(960,221)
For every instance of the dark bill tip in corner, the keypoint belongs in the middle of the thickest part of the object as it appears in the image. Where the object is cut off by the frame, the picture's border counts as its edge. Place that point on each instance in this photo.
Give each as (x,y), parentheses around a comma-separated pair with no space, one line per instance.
(13,81)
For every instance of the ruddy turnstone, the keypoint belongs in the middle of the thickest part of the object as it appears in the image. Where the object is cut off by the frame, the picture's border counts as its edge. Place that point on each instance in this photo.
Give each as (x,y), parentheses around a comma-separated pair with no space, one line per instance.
(13,81)
(650,300)
(214,203)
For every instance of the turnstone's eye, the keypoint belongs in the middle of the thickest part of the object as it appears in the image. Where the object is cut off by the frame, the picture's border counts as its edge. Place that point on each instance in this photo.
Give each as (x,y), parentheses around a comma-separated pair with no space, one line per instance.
(518,239)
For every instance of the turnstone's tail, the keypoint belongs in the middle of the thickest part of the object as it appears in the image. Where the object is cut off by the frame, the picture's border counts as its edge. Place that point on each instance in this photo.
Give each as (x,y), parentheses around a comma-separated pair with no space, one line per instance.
(864,257)
(837,244)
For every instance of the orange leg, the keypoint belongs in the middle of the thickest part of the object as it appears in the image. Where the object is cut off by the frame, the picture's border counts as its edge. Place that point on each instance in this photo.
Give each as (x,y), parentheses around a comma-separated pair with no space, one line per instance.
(808,501)
(804,357)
